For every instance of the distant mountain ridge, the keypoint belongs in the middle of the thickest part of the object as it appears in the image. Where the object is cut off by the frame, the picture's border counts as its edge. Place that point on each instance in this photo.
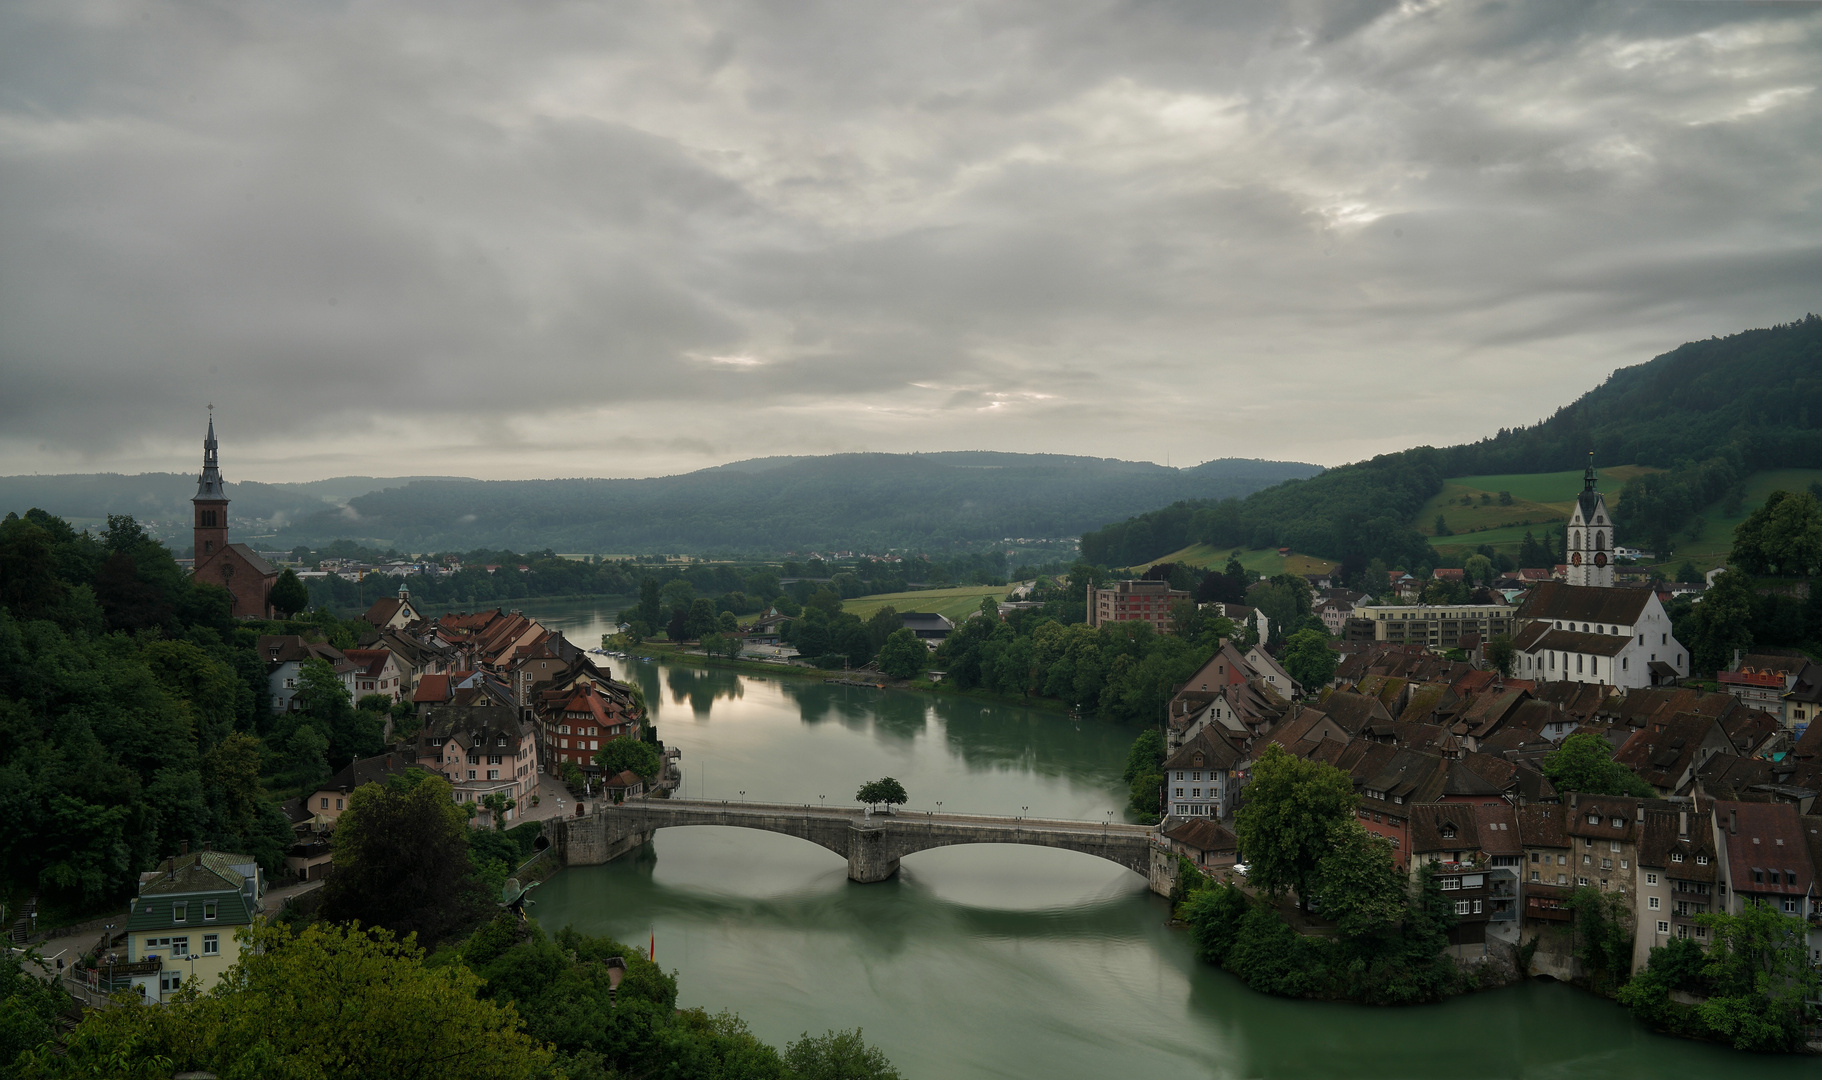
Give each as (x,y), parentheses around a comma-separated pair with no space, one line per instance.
(859,501)
(844,501)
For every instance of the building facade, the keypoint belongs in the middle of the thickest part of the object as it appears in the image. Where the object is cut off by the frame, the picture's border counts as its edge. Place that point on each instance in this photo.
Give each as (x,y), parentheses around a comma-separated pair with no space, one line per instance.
(1134,601)
(1437,626)
(1589,542)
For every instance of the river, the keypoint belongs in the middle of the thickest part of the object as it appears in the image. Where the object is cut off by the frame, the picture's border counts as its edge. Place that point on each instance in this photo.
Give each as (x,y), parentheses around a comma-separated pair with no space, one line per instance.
(1000,961)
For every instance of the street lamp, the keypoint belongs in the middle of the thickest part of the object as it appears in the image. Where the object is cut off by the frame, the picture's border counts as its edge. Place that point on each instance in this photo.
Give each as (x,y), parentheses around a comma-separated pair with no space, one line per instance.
(821,803)
(743,794)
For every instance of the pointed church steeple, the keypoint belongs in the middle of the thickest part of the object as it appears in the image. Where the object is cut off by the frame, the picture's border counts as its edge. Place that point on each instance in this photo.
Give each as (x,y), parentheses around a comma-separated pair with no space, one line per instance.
(208,485)
(1589,533)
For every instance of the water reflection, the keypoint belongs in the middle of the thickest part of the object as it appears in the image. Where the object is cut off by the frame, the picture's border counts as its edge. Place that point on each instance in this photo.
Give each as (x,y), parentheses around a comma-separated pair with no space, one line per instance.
(700,688)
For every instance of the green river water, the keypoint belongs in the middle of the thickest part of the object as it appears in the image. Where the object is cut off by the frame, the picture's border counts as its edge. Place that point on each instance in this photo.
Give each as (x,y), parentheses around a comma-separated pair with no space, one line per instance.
(1002,961)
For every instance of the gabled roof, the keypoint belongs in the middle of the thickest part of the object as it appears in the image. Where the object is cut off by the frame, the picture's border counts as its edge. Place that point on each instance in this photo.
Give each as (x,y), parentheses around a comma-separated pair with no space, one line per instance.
(383,610)
(1554,600)
(1542,825)
(1205,751)
(373,770)
(258,565)
(1679,832)
(1498,828)
(369,661)
(1664,753)
(1203,834)
(1352,712)
(1767,837)
(1444,827)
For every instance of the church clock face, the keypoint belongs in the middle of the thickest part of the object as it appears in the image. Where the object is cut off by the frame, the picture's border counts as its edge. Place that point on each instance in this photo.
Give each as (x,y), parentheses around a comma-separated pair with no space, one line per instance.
(1576,558)
(1600,558)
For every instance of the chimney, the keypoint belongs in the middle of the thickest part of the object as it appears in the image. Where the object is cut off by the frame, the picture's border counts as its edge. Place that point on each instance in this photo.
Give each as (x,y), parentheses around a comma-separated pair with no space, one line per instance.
(1733,822)
(1682,824)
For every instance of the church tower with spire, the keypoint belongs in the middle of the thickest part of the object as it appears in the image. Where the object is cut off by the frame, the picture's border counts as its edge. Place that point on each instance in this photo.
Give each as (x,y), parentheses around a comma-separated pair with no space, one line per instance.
(235,567)
(210,503)
(1589,543)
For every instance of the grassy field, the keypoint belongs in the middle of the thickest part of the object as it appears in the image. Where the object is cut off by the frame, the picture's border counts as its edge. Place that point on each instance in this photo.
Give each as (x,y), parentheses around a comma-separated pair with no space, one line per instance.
(1538,499)
(1711,545)
(953,603)
(1265,561)
(1546,499)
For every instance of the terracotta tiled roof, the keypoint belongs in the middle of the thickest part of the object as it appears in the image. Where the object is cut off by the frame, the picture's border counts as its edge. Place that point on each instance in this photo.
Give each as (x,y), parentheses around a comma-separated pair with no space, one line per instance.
(1498,826)
(1541,825)
(1766,838)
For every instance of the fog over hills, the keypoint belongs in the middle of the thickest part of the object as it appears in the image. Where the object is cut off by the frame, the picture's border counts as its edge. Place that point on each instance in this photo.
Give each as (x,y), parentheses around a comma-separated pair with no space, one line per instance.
(864,501)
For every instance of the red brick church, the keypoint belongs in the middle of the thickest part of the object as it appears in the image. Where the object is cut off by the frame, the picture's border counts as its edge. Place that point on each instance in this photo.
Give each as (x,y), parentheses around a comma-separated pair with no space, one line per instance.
(235,567)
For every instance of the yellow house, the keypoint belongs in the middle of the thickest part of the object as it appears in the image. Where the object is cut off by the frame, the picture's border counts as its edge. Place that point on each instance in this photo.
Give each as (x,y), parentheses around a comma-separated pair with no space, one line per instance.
(184,918)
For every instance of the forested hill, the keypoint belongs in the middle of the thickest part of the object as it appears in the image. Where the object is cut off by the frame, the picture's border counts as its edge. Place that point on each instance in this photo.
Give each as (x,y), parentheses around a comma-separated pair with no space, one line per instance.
(853,501)
(1709,411)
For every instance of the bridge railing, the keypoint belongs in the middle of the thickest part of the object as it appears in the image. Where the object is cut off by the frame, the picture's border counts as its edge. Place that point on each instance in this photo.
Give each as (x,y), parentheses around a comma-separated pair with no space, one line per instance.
(901,815)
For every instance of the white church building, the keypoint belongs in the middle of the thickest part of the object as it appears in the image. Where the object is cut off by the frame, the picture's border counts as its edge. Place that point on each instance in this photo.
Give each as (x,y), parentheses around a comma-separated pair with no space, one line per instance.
(1588,630)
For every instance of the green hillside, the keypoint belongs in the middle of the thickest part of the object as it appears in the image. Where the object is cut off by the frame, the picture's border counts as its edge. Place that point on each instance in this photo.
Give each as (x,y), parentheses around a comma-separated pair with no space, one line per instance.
(1263,561)
(955,604)
(1700,423)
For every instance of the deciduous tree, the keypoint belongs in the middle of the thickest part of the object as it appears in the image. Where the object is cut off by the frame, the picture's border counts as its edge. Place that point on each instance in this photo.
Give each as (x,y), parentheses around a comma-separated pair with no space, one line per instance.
(1584,762)
(402,862)
(1291,810)
(885,791)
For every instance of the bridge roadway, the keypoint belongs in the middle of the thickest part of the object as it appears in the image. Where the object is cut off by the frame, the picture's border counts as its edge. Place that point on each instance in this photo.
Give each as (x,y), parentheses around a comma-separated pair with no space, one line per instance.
(872,844)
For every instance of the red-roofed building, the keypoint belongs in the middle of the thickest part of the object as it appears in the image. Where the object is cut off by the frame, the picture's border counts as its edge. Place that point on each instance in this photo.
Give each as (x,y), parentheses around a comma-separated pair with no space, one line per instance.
(375,672)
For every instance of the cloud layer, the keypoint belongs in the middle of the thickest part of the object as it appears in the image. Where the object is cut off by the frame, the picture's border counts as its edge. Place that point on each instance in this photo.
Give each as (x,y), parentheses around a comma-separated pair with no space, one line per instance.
(550,239)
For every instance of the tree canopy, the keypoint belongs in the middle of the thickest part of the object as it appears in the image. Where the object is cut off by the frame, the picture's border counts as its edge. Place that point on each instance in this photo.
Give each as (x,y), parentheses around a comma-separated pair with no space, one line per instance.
(402,861)
(1287,824)
(1584,762)
(883,792)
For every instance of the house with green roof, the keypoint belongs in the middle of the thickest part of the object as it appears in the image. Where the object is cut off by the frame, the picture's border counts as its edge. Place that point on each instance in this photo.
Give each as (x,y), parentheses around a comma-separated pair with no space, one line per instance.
(185,917)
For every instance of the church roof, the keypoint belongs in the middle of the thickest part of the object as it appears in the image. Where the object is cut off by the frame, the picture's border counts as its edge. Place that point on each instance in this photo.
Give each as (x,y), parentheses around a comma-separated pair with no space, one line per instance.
(1585,603)
(259,565)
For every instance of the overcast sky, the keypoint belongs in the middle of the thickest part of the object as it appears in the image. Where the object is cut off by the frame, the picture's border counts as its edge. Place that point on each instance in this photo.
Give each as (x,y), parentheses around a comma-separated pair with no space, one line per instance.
(624,239)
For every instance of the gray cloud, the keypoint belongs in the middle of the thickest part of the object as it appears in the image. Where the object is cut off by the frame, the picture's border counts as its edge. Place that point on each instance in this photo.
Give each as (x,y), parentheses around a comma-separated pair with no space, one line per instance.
(562,239)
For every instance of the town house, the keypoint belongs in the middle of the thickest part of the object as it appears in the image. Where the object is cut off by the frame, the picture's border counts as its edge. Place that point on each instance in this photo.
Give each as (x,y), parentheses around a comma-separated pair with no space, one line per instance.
(1676,878)
(1199,778)
(482,749)
(182,923)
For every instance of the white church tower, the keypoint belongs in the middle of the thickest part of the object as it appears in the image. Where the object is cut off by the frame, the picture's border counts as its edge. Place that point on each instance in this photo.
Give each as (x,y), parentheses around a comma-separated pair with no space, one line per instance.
(1590,540)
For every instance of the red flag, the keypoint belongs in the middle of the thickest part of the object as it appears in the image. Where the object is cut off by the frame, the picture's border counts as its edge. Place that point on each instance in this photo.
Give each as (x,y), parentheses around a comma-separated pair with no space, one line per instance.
(652,954)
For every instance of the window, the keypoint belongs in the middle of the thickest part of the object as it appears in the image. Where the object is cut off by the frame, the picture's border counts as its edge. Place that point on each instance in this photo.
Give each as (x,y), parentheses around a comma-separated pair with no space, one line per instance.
(1606,864)
(1651,879)
(325,802)
(471,774)
(1533,875)
(1534,856)
(1581,881)
(1562,879)
(493,774)
(1758,877)
(1477,907)
(169,981)
(180,912)
(1700,860)
(1562,860)
(338,804)
(1461,907)
(211,944)
(1677,856)
(1790,905)
(1449,883)
(1613,845)
(1179,793)
(1663,927)
(209,909)
(1652,903)
(594,744)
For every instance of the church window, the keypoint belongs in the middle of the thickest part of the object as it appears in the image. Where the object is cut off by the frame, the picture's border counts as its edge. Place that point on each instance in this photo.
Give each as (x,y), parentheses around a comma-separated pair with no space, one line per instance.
(1575,539)
(1600,540)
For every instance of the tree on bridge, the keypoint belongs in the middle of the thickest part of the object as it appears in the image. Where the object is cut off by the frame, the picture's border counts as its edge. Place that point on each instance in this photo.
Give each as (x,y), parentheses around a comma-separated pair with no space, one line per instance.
(887,791)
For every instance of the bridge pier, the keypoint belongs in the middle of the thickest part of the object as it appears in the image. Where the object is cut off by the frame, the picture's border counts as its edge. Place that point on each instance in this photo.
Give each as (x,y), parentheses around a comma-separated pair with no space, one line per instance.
(870,856)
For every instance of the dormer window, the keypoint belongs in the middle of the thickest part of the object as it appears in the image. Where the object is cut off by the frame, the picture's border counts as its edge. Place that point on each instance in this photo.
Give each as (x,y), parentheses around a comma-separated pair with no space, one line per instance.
(1594,819)
(1700,860)
(1619,823)
(180,912)
(1448,832)
(1676,856)
(209,910)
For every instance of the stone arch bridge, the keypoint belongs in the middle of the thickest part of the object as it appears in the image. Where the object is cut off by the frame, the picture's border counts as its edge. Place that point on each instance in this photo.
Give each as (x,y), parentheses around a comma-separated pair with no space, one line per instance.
(872,844)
